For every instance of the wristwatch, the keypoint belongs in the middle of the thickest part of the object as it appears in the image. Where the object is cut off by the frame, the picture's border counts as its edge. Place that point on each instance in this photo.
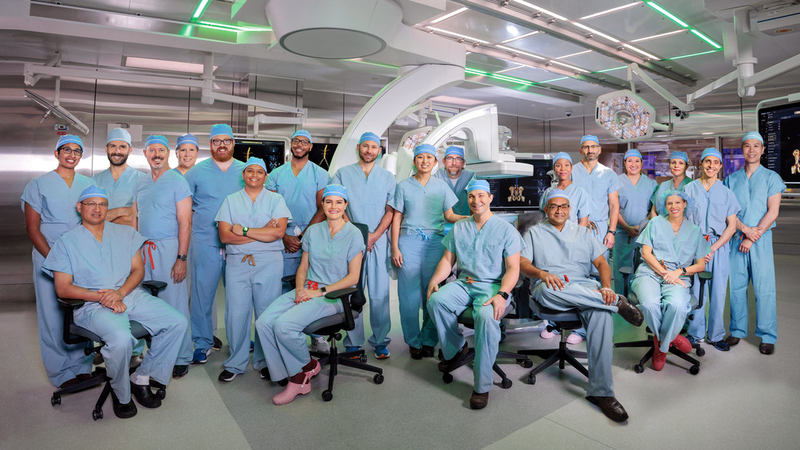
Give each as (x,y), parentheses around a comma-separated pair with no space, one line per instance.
(612,232)
(245,230)
(684,270)
(323,290)
(181,257)
(503,294)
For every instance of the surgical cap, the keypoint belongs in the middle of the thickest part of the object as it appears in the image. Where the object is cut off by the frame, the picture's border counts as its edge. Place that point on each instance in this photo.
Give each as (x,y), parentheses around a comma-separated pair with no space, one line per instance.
(368,137)
(662,201)
(118,134)
(253,161)
(303,133)
(221,129)
(556,193)
(478,185)
(711,151)
(69,139)
(187,139)
(335,189)
(562,155)
(156,139)
(753,135)
(590,137)
(93,191)
(453,150)
(424,148)
(679,155)
(632,152)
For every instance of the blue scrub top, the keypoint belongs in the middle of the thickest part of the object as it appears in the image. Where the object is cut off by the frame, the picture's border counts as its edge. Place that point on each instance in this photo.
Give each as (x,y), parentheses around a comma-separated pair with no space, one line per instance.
(711,207)
(423,207)
(55,202)
(238,208)
(300,192)
(367,197)
(95,265)
(120,192)
(667,186)
(460,188)
(177,171)
(156,204)
(580,202)
(753,193)
(599,184)
(676,250)
(635,199)
(328,257)
(481,254)
(569,252)
(209,186)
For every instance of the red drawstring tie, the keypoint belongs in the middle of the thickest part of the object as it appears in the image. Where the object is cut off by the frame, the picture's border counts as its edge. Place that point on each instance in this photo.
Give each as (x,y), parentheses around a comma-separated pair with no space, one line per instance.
(150,245)
(312,285)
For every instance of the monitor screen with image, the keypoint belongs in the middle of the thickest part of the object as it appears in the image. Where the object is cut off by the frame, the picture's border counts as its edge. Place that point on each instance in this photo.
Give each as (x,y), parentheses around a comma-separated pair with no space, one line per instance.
(780,127)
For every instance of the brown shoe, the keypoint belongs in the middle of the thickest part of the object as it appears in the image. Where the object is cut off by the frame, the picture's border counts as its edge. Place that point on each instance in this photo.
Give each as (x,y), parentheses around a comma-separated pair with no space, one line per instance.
(766,349)
(610,407)
(478,401)
(449,365)
(630,313)
(732,340)
(416,353)
(427,351)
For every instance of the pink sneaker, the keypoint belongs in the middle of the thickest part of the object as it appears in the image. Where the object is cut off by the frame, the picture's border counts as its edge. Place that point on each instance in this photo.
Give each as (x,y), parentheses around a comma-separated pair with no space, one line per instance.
(547,334)
(293,390)
(574,338)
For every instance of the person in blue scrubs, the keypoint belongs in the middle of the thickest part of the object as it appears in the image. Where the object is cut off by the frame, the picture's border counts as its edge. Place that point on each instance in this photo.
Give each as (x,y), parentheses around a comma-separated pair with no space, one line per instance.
(678,163)
(49,206)
(251,224)
(758,191)
(100,263)
(486,249)
(118,180)
(673,251)
(371,188)
(210,182)
(331,260)
(421,205)
(186,151)
(162,212)
(558,257)
(635,192)
(301,183)
(715,209)
(457,177)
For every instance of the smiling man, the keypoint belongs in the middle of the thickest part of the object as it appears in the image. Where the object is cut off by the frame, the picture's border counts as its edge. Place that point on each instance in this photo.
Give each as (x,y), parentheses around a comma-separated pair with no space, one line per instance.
(118,180)
(456,176)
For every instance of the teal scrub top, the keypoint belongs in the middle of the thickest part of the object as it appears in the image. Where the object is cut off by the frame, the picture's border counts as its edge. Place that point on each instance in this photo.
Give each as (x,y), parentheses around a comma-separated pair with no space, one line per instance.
(481,254)
(156,204)
(567,252)
(95,265)
(367,196)
(423,207)
(55,202)
(120,192)
(676,250)
(667,186)
(635,199)
(300,192)
(237,208)
(599,184)
(711,207)
(753,193)
(209,186)
(460,188)
(580,203)
(328,257)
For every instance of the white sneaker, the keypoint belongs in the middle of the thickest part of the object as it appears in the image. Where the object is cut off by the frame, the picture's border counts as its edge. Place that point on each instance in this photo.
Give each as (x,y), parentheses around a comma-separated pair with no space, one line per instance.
(545,334)
(574,338)
(319,344)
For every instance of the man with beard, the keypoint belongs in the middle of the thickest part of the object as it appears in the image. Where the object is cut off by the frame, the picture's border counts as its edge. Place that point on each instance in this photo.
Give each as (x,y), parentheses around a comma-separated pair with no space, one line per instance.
(301,183)
(210,181)
(457,177)
(186,150)
(118,180)
(162,212)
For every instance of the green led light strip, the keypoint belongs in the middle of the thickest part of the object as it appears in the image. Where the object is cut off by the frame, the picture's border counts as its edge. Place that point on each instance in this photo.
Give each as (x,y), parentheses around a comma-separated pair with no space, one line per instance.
(201,8)
(683,24)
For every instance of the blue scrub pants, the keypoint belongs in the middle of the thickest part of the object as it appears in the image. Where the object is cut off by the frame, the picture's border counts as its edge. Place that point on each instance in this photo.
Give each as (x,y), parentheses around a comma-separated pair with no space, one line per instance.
(715,291)
(378,266)
(597,321)
(447,304)
(623,257)
(757,265)
(62,362)
(665,306)
(166,325)
(280,330)
(421,253)
(163,254)
(248,288)
(208,264)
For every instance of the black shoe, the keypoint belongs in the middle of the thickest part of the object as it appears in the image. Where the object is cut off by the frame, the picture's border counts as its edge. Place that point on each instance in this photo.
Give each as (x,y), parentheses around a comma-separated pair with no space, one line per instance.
(144,396)
(180,371)
(610,407)
(630,313)
(227,376)
(450,364)
(265,373)
(766,349)
(217,344)
(125,411)
(427,351)
(478,401)
(732,340)
(416,353)
(720,345)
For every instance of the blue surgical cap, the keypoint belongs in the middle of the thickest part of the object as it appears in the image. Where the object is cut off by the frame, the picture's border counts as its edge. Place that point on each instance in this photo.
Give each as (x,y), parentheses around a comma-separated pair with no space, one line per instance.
(424,148)
(253,161)
(221,129)
(368,137)
(118,134)
(156,139)
(662,201)
(69,139)
(556,193)
(679,155)
(562,155)
(711,151)
(303,133)
(478,185)
(453,150)
(187,139)
(590,137)
(335,189)
(753,135)
(632,152)
(93,191)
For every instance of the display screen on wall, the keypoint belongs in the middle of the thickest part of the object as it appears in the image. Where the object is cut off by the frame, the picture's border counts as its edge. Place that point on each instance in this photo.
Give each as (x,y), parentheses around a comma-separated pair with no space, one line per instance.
(270,151)
(780,127)
(322,155)
(521,193)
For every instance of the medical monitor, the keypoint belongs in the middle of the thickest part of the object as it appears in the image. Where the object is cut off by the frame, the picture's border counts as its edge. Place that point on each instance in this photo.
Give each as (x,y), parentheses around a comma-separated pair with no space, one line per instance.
(270,151)
(521,193)
(780,127)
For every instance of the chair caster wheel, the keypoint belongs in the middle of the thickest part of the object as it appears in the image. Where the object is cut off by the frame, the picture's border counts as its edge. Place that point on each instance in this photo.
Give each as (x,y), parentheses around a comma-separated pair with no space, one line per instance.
(447,377)
(638,368)
(694,370)
(97,414)
(506,383)
(531,379)
(55,400)
(700,351)
(327,396)
(526,363)
(363,358)
(161,393)
(378,378)
(283,382)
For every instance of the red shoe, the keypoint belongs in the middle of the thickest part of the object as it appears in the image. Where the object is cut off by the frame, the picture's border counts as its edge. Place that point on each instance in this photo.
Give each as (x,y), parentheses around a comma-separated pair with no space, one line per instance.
(659,357)
(682,344)
(293,390)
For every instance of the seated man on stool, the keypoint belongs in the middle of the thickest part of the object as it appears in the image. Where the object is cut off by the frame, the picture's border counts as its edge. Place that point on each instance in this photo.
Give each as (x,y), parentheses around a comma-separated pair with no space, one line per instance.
(100,263)
(558,257)
(487,250)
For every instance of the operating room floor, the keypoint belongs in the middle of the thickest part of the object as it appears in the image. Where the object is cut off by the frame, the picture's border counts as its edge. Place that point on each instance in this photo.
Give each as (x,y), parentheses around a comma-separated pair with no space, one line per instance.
(740,399)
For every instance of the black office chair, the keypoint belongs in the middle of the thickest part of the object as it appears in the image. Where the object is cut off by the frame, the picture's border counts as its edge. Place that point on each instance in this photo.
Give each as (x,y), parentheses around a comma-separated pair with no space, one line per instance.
(648,343)
(73,334)
(353,302)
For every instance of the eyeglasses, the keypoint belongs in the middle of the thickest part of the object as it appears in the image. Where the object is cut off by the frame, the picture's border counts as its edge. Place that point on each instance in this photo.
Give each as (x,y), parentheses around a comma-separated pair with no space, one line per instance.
(590,147)
(69,151)
(563,207)
(93,205)
(227,141)
(302,142)
(454,158)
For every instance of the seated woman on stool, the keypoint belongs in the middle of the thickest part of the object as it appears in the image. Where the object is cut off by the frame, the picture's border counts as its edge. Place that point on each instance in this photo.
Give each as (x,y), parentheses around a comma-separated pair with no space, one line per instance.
(331,260)
(673,249)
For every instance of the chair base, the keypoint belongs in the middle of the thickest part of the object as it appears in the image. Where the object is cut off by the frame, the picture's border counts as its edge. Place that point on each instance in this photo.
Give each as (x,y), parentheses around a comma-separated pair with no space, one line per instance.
(334,359)
(505,382)
(561,355)
(694,369)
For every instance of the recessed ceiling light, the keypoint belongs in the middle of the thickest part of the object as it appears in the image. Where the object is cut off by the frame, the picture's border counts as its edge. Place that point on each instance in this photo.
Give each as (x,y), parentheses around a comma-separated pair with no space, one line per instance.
(595,32)
(658,36)
(449,15)
(574,54)
(612,10)
(521,52)
(520,37)
(162,64)
(537,8)
(577,69)
(455,100)
(640,51)
(520,66)
(451,33)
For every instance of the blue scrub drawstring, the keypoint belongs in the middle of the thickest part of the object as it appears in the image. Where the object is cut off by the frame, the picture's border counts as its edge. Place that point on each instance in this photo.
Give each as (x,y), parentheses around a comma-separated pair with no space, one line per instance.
(425,237)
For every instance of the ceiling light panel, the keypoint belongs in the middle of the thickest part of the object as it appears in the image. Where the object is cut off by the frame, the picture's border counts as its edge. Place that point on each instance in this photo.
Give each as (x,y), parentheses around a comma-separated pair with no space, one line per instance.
(449,15)
(613,10)
(482,26)
(522,36)
(457,35)
(535,8)
(659,36)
